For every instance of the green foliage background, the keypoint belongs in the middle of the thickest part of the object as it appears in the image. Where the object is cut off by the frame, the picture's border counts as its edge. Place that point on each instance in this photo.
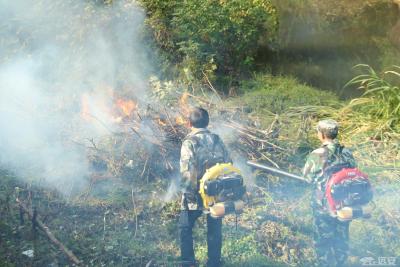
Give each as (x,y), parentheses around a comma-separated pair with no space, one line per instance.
(198,38)
(315,41)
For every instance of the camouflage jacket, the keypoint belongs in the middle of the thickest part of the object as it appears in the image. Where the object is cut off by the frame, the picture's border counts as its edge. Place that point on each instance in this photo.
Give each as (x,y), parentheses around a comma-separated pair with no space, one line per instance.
(200,150)
(329,154)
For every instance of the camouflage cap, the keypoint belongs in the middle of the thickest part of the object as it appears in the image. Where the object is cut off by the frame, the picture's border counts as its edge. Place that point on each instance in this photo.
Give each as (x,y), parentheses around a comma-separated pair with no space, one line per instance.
(328,126)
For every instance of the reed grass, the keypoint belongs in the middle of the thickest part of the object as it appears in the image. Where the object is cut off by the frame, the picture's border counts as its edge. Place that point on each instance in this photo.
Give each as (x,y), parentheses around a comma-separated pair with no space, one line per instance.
(380,101)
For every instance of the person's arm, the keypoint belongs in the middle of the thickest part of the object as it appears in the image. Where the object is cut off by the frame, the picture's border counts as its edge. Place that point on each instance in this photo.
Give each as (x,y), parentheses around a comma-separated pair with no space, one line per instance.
(308,166)
(187,167)
(314,165)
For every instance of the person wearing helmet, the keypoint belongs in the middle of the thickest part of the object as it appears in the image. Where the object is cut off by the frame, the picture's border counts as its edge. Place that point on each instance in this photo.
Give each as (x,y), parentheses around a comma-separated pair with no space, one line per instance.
(331,236)
(200,150)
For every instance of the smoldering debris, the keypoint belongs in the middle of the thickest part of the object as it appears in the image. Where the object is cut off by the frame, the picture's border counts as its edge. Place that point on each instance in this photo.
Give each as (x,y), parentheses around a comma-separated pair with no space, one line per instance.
(57,56)
(145,147)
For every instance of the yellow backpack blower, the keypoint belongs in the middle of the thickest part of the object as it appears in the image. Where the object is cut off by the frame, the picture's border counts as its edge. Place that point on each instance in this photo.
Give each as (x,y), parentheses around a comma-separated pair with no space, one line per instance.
(222,190)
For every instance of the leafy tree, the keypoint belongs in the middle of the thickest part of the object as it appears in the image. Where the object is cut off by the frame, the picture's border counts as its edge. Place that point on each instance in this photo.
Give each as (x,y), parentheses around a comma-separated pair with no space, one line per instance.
(211,36)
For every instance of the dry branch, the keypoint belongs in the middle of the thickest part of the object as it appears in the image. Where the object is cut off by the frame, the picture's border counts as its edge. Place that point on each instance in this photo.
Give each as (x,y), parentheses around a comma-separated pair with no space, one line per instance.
(49,234)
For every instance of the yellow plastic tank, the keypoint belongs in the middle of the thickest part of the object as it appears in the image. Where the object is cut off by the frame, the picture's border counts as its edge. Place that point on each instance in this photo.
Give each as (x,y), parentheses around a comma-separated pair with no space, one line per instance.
(213,173)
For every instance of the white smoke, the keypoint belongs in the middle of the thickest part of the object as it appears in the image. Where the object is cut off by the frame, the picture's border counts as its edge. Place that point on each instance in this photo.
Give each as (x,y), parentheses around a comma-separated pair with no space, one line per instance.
(53,53)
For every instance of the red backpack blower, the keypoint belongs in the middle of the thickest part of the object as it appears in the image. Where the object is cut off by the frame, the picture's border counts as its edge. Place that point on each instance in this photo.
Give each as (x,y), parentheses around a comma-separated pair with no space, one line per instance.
(347,190)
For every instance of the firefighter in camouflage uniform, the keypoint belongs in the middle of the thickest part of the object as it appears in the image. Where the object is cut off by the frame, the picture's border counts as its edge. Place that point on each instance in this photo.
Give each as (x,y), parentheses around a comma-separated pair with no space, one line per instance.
(331,236)
(200,150)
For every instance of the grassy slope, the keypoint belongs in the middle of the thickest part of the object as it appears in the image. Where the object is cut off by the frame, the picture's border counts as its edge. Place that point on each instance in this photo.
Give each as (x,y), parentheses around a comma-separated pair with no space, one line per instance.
(269,97)
(275,230)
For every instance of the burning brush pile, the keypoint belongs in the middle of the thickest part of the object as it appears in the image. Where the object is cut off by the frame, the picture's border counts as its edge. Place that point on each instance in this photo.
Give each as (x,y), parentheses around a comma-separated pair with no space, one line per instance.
(145,145)
(142,145)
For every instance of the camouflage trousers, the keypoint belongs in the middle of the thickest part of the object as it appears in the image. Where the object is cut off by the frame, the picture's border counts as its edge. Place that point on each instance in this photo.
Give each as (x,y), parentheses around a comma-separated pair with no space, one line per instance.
(331,239)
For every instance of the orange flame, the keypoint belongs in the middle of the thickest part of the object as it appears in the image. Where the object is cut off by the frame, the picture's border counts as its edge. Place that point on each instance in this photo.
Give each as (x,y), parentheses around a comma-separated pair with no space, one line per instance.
(126,106)
(161,122)
(184,108)
(184,103)
(180,120)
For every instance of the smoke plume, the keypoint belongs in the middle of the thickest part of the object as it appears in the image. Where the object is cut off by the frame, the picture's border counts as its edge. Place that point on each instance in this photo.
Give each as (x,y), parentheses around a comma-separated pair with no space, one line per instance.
(62,66)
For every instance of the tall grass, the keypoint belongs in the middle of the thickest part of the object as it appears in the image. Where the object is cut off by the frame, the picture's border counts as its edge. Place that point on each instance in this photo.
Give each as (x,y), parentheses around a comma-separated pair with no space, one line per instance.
(381,97)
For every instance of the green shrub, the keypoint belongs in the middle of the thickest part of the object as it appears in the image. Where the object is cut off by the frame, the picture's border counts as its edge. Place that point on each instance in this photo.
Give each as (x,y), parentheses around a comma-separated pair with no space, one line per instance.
(204,37)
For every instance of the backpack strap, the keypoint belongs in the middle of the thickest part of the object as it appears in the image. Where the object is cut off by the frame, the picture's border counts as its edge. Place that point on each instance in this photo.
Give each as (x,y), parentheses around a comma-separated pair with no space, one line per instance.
(336,155)
(202,166)
(195,139)
(335,161)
